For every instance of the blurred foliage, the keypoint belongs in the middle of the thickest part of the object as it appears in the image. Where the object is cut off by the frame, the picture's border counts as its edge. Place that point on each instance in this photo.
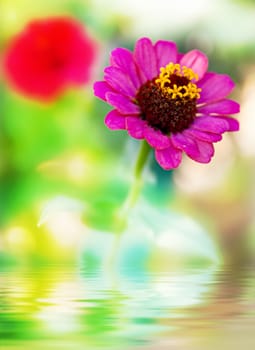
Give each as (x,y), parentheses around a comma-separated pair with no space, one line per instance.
(64,148)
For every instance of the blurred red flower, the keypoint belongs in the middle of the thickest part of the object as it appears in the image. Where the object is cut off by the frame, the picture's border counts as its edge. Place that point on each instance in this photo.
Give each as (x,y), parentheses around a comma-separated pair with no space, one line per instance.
(48,56)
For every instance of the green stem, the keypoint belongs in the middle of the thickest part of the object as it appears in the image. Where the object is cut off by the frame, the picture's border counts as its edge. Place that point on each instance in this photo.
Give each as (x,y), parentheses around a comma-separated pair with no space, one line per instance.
(133,194)
(141,159)
(135,187)
(137,182)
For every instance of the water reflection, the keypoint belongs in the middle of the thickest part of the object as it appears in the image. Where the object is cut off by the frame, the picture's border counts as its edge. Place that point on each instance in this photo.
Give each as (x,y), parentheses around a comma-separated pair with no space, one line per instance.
(182,309)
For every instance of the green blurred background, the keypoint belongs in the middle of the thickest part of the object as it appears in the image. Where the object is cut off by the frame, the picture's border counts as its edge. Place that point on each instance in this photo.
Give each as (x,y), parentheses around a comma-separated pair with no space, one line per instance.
(63,173)
(58,157)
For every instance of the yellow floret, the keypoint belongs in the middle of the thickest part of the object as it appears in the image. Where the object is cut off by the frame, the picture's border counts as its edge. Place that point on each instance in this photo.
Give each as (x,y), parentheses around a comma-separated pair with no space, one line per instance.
(186,91)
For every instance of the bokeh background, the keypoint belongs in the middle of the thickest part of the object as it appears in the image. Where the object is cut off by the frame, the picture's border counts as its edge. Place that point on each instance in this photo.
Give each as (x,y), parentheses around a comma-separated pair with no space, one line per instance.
(64,175)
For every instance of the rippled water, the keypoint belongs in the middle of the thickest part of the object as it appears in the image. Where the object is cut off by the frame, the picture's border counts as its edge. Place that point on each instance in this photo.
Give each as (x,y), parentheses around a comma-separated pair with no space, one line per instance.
(58,307)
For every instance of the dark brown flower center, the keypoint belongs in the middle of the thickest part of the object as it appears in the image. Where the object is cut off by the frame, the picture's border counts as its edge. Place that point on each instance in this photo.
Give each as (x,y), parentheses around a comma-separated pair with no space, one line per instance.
(168,102)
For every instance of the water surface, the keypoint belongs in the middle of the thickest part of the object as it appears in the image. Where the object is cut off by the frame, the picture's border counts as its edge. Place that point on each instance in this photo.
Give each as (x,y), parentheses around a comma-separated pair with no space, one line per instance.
(59,307)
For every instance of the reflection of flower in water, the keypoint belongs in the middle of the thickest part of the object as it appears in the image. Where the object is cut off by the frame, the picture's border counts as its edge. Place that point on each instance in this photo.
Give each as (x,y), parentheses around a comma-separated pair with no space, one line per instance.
(153,269)
(169,99)
(60,309)
(91,310)
(144,301)
(48,56)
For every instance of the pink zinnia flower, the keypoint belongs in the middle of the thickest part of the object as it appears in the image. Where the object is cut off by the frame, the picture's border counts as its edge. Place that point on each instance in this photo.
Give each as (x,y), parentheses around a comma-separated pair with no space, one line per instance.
(48,56)
(169,99)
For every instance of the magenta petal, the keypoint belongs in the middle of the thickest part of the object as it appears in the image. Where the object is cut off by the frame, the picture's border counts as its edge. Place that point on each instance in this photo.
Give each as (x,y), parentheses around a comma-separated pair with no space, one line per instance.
(205,78)
(220,107)
(119,81)
(115,121)
(198,150)
(122,103)
(145,57)
(155,138)
(135,127)
(179,56)
(168,158)
(233,124)
(186,144)
(215,87)
(166,52)
(211,124)
(101,88)
(197,61)
(123,58)
(206,150)
(203,135)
